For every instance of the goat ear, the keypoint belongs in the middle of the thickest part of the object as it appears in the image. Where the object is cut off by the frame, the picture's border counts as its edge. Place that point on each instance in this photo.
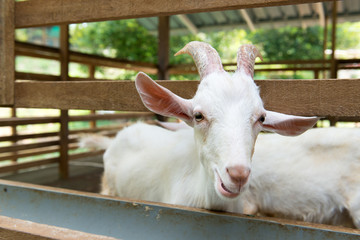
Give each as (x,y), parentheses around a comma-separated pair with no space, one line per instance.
(160,100)
(287,125)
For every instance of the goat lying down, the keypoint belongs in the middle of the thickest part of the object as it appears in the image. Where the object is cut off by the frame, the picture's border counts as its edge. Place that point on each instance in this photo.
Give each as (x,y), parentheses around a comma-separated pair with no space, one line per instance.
(209,165)
(314,177)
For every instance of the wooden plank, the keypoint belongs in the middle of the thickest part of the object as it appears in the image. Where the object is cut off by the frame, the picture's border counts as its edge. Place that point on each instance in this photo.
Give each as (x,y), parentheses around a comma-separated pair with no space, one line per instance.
(302,97)
(18,147)
(30,152)
(114,116)
(17,229)
(163,47)
(334,67)
(112,62)
(64,114)
(16,137)
(85,154)
(52,12)
(7,63)
(33,50)
(312,97)
(13,121)
(99,95)
(18,166)
(36,76)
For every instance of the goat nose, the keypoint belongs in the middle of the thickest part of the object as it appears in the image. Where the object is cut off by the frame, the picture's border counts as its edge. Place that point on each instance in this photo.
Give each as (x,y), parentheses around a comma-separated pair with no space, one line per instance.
(238,174)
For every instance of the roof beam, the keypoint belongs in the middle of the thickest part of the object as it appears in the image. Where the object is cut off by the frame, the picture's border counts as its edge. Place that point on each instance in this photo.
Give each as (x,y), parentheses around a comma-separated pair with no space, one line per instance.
(188,23)
(44,12)
(304,10)
(319,8)
(247,19)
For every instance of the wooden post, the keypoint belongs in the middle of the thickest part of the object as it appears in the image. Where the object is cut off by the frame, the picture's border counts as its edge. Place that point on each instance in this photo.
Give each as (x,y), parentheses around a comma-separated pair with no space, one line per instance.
(14,133)
(7,52)
(334,67)
(64,114)
(163,52)
(333,40)
(316,74)
(92,76)
(164,48)
(325,43)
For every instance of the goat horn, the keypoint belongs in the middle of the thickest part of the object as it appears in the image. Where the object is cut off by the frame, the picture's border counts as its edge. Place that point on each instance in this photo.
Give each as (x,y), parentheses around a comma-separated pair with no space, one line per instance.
(246,58)
(206,58)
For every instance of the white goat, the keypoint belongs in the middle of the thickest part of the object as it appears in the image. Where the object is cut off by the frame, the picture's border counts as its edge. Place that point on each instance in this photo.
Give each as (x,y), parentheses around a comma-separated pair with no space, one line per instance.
(314,177)
(211,168)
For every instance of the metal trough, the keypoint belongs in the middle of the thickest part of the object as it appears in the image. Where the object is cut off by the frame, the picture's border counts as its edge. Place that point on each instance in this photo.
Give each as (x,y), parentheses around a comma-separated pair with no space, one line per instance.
(124,219)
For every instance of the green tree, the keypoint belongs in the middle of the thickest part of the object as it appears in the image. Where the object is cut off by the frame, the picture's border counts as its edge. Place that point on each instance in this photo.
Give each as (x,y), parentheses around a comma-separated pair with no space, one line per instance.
(289,43)
(123,39)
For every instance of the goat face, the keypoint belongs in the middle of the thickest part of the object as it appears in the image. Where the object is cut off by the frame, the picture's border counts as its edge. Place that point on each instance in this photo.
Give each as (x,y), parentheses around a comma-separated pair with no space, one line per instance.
(226,112)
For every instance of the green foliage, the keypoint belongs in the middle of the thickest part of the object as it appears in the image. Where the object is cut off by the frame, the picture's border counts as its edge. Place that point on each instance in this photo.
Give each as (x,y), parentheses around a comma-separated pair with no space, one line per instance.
(124,39)
(347,35)
(289,43)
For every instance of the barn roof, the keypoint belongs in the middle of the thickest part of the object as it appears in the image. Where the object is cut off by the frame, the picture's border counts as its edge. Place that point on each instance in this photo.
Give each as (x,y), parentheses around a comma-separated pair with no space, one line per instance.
(266,17)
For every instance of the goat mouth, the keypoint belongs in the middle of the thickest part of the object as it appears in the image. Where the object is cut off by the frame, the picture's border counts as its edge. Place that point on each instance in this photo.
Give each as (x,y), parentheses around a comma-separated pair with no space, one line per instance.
(223,190)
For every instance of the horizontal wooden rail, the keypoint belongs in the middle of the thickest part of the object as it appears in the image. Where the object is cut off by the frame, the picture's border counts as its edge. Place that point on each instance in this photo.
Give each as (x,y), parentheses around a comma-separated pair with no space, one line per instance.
(86,154)
(27,136)
(21,150)
(18,147)
(28,152)
(179,71)
(279,62)
(54,12)
(93,130)
(114,116)
(27,120)
(302,97)
(18,166)
(28,49)
(38,51)
(14,121)
(38,77)
(92,117)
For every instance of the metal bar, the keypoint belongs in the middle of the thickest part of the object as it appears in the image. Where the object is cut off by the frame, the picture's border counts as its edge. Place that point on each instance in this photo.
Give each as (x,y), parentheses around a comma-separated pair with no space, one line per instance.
(124,219)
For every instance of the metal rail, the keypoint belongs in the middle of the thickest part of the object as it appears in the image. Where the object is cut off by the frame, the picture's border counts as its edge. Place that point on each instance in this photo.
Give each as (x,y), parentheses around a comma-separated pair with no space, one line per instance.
(125,219)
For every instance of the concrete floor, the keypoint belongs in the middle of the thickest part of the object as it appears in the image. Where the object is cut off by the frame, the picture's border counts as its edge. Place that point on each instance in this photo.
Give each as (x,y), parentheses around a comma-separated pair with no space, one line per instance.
(85,175)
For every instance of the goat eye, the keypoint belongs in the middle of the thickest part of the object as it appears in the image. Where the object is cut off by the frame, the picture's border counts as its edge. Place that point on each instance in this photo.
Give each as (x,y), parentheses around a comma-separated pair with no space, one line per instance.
(262,119)
(198,116)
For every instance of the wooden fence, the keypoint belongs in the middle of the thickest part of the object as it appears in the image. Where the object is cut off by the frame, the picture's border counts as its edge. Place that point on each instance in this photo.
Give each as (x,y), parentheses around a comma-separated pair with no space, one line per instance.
(49,142)
(333,99)
(322,97)
(40,145)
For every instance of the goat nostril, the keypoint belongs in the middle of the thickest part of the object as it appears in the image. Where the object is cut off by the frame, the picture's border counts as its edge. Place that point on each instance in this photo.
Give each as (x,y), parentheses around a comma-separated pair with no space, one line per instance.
(238,174)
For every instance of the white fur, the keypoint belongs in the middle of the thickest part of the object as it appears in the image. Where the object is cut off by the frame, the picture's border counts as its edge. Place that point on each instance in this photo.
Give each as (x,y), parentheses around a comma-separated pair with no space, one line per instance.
(314,177)
(208,168)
